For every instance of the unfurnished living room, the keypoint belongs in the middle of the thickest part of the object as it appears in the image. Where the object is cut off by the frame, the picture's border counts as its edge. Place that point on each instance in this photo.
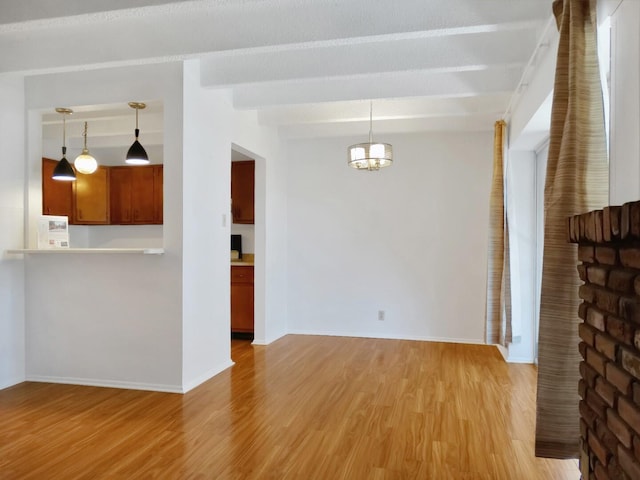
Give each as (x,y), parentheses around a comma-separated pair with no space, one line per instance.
(309,239)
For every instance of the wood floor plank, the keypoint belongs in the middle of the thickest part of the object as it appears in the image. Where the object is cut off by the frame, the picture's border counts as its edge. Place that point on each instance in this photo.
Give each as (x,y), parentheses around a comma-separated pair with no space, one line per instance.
(304,407)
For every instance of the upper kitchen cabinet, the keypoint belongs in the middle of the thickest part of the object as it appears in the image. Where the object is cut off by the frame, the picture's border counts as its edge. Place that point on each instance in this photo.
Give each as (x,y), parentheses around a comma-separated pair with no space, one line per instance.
(243,191)
(57,196)
(136,195)
(110,196)
(158,194)
(91,198)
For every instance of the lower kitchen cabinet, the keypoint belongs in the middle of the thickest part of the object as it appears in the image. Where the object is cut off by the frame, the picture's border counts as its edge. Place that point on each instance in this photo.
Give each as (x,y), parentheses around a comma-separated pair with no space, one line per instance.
(241,299)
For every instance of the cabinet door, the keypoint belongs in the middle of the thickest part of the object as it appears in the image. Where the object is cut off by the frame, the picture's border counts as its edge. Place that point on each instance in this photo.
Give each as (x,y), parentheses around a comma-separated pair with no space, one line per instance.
(57,196)
(136,195)
(242,299)
(158,194)
(142,194)
(243,191)
(91,197)
(120,195)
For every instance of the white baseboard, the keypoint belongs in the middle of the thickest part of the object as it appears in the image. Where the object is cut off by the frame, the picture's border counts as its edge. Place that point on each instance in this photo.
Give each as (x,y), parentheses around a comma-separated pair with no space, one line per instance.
(206,376)
(262,341)
(470,341)
(92,382)
(11,382)
(504,351)
(520,360)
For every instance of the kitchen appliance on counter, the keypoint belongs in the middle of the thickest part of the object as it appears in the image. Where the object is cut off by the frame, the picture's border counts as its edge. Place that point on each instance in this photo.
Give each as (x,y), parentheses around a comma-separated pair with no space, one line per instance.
(236,246)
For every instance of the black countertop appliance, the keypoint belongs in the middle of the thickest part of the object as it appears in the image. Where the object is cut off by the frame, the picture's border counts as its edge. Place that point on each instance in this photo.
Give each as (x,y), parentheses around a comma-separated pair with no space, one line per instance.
(236,244)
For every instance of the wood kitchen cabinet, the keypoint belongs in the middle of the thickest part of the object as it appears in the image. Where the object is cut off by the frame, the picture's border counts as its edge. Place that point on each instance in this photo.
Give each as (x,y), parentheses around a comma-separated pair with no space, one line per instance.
(109,196)
(136,195)
(57,196)
(243,191)
(241,299)
(158,194)
(91,198)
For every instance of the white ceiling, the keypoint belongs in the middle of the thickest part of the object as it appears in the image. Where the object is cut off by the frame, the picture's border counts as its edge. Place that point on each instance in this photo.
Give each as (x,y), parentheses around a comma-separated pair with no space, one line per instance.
(309,67)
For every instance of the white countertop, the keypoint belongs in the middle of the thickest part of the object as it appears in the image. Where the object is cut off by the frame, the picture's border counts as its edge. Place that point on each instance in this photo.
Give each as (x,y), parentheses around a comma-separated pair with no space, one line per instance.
(144,251)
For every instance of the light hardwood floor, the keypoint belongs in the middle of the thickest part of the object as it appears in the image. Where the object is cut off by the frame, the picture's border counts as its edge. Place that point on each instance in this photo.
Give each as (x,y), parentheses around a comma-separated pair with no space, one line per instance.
(302,408)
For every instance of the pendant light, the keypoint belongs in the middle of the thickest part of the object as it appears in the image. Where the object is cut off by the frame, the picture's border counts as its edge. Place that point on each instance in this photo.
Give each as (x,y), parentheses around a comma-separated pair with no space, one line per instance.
(64,170)
(370,156)
(137,154)
(85,163)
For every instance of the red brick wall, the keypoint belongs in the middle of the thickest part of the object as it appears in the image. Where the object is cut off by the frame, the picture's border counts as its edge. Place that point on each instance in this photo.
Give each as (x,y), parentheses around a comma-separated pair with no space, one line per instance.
(609,251)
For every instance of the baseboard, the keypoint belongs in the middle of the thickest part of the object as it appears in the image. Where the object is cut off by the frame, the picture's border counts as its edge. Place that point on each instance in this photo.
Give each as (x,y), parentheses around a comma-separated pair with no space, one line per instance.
(520,360)
(92,382)
(504,351)
(262,341)
(470,341)
(11,382)
(206,376)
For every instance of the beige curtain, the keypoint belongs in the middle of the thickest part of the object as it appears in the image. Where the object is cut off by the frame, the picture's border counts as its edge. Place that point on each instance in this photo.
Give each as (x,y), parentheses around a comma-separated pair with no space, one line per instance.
(498,308)
(577,181)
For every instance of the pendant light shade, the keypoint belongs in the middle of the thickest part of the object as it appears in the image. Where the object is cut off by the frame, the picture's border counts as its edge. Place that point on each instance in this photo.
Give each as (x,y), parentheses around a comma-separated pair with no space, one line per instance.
(64,170)
(84,162)
(137,155)
(370,156)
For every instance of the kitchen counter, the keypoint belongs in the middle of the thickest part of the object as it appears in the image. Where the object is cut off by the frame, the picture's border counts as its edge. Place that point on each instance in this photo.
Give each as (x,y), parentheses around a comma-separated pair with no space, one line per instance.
(246,260)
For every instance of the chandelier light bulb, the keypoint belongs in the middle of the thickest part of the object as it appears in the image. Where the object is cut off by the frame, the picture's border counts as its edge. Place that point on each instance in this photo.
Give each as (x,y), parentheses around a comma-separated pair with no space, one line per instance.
(85,163)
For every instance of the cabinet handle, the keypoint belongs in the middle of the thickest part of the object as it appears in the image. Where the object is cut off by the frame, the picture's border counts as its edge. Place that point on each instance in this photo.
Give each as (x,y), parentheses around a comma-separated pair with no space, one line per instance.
(80,214)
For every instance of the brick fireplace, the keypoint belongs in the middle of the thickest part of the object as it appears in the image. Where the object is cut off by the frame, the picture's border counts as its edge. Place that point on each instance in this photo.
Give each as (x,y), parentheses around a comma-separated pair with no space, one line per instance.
(609,254)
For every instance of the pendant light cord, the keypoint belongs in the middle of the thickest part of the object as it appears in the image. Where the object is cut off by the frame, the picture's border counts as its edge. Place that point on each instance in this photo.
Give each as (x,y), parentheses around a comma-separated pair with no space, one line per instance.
(137,129)
(64,134)
(85,135)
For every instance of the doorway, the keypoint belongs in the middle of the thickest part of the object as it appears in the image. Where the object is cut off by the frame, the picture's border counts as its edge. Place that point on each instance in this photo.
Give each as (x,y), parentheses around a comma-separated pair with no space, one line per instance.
(242,245)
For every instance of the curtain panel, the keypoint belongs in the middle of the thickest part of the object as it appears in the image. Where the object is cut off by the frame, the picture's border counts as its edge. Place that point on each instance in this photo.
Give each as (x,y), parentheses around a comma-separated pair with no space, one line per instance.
(498,303)
(576,182)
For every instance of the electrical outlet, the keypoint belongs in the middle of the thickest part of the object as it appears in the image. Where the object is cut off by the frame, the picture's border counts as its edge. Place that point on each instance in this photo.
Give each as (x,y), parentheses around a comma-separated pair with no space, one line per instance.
(381,315)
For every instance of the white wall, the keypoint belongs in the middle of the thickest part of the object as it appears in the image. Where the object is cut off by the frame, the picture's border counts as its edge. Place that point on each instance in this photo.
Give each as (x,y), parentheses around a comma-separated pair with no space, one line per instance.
(624,162)
(248,233)
(108,319)
(410,239)
(122,236)
(206,192)
(212,126)
(12,121)
(521,211)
